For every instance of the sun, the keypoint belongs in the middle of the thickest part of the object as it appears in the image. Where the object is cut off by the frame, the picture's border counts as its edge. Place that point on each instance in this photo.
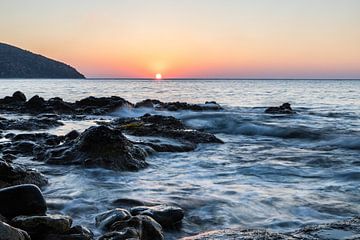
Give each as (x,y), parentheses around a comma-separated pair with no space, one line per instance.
(158,76)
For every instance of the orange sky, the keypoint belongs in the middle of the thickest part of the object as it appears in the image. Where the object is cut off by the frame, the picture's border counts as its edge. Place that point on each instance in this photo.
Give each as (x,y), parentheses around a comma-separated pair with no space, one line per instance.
(204,38)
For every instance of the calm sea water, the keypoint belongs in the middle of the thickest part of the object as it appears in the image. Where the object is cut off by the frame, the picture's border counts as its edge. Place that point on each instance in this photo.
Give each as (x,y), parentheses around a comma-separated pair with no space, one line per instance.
(276,172)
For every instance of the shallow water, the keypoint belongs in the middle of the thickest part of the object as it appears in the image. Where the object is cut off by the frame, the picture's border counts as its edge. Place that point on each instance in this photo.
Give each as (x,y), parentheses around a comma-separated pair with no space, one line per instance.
(277,172)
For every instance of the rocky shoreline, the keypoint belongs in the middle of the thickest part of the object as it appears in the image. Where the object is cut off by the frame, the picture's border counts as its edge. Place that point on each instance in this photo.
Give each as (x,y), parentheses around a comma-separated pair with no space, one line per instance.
(122,144)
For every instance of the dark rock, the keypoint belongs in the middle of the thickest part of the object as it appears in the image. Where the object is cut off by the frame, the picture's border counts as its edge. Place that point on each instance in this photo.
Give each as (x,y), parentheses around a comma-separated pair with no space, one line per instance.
(239,234)
(14,174)
(93,105)
(75,233)
(106,219)
(19,96)
(22,147)
(99,147)
(35,103)
(146,227)
(22,200)
(72,135)
(177,106)
(38,226)
(167,216)
(8,232)
(125,234)
(163,126)
(285,108)
(127,202)
(29,124)
(8,157)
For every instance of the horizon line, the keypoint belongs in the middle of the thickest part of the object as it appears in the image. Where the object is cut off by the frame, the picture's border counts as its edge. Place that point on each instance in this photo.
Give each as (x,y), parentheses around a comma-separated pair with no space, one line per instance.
(212,78)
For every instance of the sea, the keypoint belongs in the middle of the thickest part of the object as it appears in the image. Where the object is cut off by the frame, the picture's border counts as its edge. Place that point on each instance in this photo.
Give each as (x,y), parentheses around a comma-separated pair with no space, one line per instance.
(279,172)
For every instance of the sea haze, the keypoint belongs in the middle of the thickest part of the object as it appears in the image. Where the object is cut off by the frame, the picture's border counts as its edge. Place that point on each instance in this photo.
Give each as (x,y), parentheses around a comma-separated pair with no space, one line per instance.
(278,172)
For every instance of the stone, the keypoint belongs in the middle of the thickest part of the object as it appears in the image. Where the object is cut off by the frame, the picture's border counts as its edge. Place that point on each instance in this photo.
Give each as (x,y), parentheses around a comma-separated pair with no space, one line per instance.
(285,108)
(75,233)
(146,227)
(106,219)
(167,216)
(41,225)
(177,106)
(99,146)
(8,232)
(72,135)
(125,234)
(19,96)
(19,200)
(13,174)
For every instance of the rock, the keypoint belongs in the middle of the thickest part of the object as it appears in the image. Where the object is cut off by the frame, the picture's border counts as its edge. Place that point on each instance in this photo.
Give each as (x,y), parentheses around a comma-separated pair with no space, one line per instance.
(19,96)
(239,234)
(93,105)
(22,147)
(19,200)
(146,227)
(14,174)
(8,232)
(163,126)
(177,106)
(75,233)
(72,135)
(127,202)
(167,216)
(8,157)
(99,146)
(35,103)
(125,234)
(106,219)
(40,138)
(347,229)
(285,108)
(29,124)
(42,225)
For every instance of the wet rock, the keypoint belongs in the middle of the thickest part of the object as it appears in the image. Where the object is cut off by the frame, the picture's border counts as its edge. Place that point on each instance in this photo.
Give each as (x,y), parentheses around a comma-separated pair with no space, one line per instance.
(22,200)
(167,216)
(93,105)
(75,233)
(99,146)
(348,229)
(39,138)
(13,174)
(29,124)
(285,108)
(163,126)
(239,234)
(146,227)
(127,202)
(8,232)
(22,147)
(19,96)
(106,219)
(125,234)
(72,135)
(177,106)
(35,103)
(8,157)
(38,226)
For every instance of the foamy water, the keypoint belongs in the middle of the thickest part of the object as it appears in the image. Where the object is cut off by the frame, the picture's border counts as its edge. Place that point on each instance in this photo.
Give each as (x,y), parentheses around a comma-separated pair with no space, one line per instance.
(277,172)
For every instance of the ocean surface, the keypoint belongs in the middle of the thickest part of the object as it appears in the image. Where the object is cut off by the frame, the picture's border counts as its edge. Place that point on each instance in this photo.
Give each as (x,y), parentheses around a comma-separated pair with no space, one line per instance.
(276,172)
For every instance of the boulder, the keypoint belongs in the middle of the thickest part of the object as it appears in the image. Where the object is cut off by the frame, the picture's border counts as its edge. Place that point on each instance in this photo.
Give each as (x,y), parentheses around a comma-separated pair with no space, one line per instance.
(35,103)
(98,146)
(167,216)
(19,200)
(13,174)
(177,106)
(42,225)
(285,108)
(19,96)
(125,234)
(8,232)
(75,233)
(31,124)
(146,227)
(106,219)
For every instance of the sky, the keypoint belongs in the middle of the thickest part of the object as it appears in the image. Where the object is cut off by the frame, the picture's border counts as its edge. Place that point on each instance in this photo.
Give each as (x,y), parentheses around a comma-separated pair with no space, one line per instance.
(191,38)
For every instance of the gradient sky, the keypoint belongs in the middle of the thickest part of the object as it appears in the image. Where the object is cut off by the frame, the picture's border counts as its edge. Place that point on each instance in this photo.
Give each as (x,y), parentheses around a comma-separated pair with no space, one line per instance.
(191,38)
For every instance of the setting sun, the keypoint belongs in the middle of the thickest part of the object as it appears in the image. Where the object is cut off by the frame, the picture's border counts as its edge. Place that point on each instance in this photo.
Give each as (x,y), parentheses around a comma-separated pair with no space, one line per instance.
(158,76)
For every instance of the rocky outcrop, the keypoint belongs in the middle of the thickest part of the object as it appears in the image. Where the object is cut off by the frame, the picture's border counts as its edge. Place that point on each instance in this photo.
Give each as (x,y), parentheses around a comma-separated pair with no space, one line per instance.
(177,106)
(285,108)
(13,174)
(29,124)
(98,146)
(8,232)
(19,63)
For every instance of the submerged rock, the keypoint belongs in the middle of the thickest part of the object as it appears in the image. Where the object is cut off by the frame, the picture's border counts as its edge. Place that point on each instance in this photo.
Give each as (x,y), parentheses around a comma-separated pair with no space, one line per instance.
(98,146)
(8,232)
(106,219)
(176,106)
(239,234)
(125,234)
(146,227)
(75,233)
(285,108)
(13,174)
(166,127)
(167,216)
(22,200)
